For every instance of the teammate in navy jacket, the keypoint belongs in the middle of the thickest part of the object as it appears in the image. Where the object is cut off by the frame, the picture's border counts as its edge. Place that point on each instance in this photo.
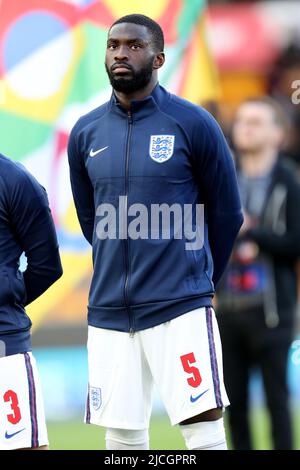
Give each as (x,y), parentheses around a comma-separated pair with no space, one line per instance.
(145,149)
(26,226)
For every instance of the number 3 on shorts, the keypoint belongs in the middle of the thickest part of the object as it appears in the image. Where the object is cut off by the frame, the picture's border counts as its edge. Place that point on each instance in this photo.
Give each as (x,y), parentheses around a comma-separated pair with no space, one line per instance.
(187,360)
(12,398)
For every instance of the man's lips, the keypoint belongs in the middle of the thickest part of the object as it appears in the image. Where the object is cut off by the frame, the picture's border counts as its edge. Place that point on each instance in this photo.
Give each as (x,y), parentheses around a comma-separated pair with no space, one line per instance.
(121,68)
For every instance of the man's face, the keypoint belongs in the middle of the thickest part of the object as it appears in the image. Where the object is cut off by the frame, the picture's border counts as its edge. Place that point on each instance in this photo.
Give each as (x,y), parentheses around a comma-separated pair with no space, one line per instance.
(255,129)
(130,57)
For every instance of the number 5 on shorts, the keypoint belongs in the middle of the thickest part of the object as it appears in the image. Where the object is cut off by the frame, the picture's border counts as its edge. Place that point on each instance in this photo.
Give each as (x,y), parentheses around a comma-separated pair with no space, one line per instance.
(187,360)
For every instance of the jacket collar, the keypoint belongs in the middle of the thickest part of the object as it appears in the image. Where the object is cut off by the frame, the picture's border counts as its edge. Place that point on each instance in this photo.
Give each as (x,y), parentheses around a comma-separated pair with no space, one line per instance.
(141,108)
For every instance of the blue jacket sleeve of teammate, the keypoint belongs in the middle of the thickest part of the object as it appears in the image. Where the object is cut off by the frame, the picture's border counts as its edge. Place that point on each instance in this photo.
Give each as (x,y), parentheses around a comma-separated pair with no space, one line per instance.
(219,190)
(34,228)
(82,189)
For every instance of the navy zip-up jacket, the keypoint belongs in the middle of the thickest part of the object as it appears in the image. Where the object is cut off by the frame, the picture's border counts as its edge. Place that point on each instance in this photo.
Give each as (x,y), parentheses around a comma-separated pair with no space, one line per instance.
(26,226)
(164,150)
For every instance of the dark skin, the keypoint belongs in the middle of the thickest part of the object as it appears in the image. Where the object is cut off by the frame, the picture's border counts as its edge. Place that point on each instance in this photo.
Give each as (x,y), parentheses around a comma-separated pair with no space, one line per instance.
(132,45)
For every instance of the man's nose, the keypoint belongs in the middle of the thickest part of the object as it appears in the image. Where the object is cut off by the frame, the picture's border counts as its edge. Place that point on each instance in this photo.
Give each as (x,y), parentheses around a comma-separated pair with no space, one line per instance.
(121,54)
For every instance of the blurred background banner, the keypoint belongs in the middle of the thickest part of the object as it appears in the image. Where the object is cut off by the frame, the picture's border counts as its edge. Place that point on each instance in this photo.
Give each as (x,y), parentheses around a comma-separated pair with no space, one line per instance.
(52,71)
(255,44)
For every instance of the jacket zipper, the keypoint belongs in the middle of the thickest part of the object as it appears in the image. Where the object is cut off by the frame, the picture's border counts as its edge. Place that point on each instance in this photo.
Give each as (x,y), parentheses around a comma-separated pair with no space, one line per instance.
(131,326)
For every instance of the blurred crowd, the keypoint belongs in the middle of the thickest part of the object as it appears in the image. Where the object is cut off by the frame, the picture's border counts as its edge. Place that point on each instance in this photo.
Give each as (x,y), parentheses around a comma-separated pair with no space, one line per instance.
(282,85)
(258,298)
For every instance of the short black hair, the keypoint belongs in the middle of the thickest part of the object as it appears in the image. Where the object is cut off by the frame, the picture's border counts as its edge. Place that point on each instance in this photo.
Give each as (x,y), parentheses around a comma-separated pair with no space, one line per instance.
(151,25)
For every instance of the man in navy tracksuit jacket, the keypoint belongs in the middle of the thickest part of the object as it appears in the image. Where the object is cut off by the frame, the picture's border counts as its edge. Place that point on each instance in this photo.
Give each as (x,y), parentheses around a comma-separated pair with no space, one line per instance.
(26,226)
(151,147)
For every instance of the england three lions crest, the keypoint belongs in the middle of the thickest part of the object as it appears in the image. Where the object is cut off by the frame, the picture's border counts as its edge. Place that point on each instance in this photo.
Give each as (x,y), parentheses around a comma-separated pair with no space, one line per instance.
(95,397)
(161,147)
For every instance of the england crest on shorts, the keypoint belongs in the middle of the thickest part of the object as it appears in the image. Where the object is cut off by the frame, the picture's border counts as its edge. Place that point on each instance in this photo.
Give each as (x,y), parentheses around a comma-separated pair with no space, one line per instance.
(161,147)
(95,397)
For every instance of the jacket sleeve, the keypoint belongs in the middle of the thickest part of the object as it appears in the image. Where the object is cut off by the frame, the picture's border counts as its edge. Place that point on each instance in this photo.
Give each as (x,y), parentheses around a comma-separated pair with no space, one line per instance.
(286,245)
(218,190)
(82,189)
(33,226)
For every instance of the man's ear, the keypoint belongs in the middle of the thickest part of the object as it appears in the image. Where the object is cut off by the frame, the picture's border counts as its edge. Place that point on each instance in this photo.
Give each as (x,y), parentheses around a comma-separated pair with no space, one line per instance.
(159,60)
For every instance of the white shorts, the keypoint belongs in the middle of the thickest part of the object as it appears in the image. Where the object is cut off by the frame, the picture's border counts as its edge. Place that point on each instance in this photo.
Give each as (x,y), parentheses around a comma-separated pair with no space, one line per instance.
(22,419)
(183,357)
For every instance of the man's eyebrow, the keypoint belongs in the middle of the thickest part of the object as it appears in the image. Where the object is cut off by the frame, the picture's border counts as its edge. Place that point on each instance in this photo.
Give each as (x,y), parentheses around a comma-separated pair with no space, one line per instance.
(138,40)
(131,40)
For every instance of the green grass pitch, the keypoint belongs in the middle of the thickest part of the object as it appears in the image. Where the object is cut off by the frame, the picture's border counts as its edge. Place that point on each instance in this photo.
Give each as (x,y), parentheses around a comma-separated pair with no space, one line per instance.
(72,435)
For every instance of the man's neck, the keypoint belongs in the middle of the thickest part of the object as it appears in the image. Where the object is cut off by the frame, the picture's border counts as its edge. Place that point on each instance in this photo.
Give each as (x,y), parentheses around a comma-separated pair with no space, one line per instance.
(125,99)
(258,164)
